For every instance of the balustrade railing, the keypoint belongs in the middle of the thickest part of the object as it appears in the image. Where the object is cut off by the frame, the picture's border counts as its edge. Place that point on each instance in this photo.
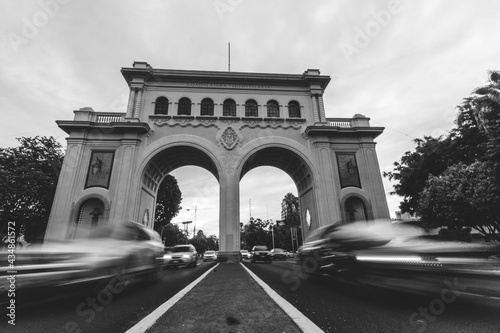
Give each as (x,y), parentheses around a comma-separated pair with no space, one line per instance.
(108,118)
(339,122)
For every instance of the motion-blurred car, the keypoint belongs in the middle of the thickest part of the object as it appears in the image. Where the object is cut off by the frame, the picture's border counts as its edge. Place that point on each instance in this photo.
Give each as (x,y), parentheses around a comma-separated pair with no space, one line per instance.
(245,254)
(210,255)
(278,254)
(181,255)
(261,253)
(126,249)
(382,255)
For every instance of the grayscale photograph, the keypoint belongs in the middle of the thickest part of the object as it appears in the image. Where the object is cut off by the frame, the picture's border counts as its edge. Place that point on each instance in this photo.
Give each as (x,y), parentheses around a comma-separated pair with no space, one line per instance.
(250,166)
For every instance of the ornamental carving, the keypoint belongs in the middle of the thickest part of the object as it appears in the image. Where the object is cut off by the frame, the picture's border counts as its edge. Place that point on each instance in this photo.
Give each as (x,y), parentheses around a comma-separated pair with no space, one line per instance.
(229,138)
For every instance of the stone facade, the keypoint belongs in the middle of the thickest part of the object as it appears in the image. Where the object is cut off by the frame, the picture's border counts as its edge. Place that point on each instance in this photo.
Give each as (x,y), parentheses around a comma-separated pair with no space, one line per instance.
(227,123)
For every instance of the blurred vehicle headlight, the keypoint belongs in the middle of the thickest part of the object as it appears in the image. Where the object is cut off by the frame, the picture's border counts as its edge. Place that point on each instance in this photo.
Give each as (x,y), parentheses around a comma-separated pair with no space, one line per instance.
(390,258)
(167,256)
(187,256)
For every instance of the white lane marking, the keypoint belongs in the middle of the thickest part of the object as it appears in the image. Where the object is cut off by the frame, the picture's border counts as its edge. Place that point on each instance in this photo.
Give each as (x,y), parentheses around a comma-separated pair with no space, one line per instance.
(478,295)
(304,323)
(148,321)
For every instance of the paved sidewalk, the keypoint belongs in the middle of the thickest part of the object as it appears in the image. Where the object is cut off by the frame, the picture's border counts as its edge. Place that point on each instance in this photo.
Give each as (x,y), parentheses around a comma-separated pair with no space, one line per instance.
(228,299)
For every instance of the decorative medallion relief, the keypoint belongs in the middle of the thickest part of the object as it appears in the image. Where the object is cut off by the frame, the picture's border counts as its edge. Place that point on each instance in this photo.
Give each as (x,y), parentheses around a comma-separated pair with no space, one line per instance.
(229,138)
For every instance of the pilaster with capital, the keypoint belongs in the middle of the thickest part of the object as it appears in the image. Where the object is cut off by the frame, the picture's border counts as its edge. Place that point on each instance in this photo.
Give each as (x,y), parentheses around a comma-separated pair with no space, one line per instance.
(315,108)
(130,106)
(138,103)
(322,117)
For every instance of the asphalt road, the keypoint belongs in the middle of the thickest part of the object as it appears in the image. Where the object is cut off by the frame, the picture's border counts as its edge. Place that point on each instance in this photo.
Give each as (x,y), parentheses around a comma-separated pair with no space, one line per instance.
(84,311)
(338,307)
(331,305)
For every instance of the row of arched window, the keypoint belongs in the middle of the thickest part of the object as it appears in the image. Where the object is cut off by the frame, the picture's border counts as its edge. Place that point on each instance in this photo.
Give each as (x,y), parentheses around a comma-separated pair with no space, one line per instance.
(228,108)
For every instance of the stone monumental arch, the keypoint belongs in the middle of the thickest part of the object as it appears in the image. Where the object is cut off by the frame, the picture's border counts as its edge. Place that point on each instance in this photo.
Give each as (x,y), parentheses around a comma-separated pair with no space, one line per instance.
(227,123)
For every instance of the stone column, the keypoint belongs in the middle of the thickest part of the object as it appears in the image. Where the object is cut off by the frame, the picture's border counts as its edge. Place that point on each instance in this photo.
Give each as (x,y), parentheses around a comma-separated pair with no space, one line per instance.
(73,169)
(130,106)
(229,216)
(327,188)
(322,117)
(138,104)
(124,170)
(315,108)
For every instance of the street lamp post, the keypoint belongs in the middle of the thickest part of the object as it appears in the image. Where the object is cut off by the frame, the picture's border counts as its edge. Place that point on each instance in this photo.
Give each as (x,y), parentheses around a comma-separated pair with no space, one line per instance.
(186,228)
(161,232)
(272,230)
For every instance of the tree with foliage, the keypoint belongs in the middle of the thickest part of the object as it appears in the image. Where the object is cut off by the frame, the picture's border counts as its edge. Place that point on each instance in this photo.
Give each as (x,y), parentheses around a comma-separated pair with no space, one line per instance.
(290,212)
(28,180)
(173,235)
(431,157)
(256,232)
(199,241)
(487,112)
(290,217)
(213,243)
(462,196)
(168,200)
(454,181)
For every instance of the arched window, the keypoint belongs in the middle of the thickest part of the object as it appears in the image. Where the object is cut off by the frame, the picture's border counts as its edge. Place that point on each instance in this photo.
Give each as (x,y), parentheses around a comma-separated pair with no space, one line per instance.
(251,109)
(229,108)
(207,107)
(184,107)
(355,210)
(294,109)
(273,109)
(161,105)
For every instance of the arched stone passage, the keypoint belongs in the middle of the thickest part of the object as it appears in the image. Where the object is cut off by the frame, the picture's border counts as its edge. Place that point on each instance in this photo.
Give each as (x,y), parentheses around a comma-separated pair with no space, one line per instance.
(145,145)
(283,159)
(162,164)
(289,161)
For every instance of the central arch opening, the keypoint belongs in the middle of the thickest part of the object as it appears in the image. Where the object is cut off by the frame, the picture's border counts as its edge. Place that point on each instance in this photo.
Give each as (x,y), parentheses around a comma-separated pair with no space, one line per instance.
(200,200)
(272,179)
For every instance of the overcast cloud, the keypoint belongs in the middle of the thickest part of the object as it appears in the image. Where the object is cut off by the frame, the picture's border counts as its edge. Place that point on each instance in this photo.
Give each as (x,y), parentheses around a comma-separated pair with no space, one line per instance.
(404,64)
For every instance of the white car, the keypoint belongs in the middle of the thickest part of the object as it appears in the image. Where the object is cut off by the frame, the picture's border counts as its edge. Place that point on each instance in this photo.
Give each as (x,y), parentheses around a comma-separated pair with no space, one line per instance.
(128,249)
(210,255)
(181,255)
(245,254)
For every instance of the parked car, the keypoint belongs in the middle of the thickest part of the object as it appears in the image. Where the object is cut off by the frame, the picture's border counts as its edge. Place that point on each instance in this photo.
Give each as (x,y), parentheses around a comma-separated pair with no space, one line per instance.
(261,253)
(278,254)
(210,255)
(127,249)
(181,255)
(245,254)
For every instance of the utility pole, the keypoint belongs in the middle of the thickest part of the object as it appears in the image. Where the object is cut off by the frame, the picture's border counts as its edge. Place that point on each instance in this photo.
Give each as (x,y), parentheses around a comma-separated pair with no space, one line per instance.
(272,230)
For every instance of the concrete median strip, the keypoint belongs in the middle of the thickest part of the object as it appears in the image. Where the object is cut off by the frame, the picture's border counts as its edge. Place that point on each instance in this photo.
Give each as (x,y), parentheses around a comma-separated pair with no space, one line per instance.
(304,323)
(148,321)
(232,300)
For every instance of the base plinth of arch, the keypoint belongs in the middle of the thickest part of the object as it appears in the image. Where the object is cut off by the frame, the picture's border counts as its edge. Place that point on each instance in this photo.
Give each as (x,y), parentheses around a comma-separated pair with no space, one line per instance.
(229,257)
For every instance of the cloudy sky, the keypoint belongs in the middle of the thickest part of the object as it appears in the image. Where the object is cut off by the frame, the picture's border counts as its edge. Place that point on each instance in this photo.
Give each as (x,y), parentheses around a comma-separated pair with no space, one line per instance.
(404,64)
